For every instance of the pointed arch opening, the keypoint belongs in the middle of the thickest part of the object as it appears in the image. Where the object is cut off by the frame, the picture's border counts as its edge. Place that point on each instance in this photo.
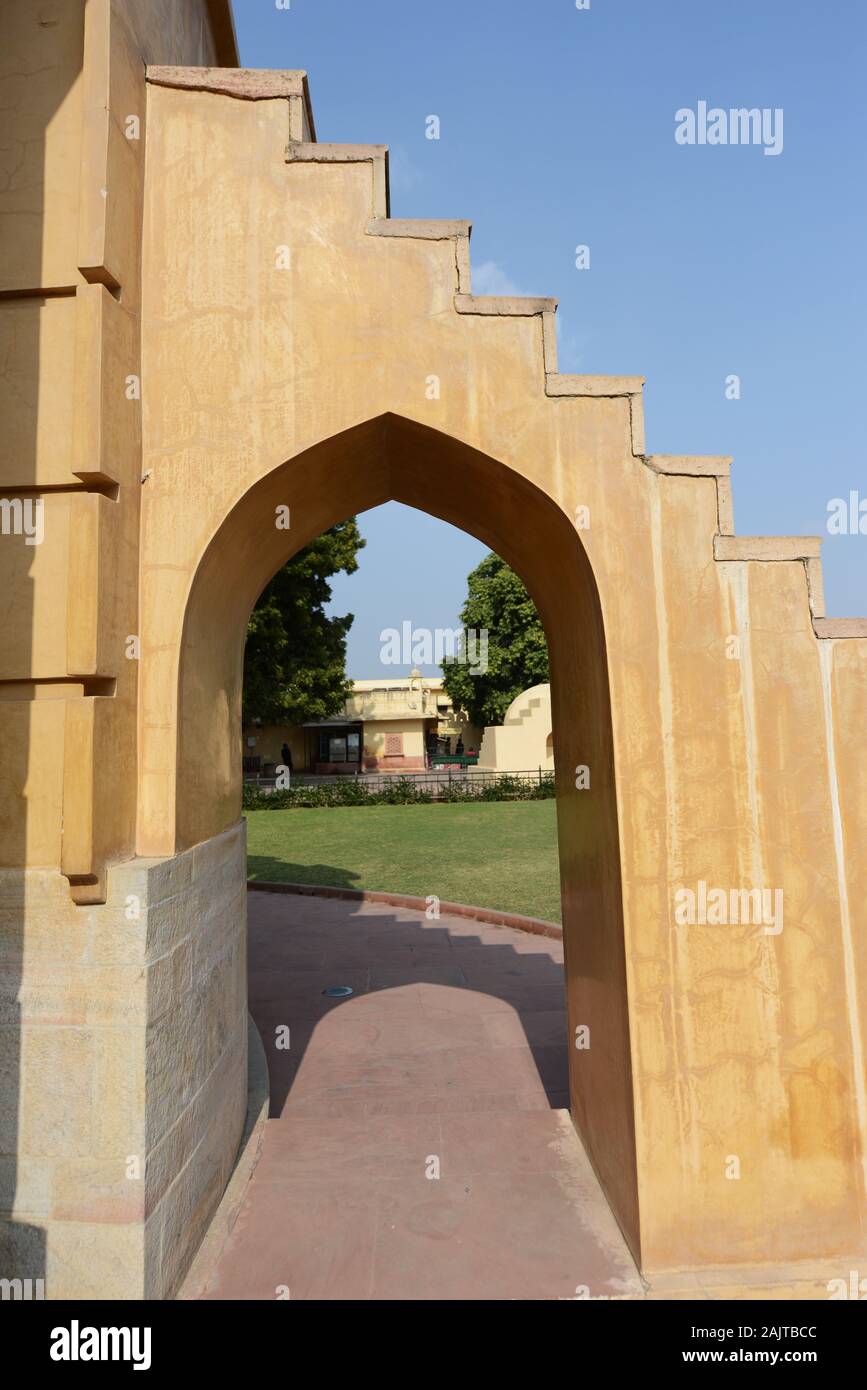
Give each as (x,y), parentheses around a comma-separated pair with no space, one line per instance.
(393,458)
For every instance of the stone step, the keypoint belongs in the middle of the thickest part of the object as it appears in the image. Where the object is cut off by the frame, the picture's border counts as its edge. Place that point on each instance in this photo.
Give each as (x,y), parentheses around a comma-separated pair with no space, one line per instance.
(727,547)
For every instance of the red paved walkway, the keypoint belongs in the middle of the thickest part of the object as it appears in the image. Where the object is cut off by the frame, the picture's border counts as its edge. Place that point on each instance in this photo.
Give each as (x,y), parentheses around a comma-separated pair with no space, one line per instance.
(451,1051)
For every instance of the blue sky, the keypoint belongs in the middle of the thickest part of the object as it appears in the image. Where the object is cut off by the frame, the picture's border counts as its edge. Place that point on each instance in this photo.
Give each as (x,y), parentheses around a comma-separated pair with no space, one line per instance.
(557,129)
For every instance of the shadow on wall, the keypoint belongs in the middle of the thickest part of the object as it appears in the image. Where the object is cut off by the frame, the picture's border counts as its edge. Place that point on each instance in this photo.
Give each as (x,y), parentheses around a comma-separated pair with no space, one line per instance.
(36,285)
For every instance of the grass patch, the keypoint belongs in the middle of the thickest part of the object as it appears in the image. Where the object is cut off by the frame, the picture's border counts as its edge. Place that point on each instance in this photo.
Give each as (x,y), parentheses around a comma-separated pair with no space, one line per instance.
(498,854)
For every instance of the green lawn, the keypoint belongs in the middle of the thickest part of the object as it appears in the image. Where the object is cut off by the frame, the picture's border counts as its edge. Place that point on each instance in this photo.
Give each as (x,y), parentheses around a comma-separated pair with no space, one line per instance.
(499,854)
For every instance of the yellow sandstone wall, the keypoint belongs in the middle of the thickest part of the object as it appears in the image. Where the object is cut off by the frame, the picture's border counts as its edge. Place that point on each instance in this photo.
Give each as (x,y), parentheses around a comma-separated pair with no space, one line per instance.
(102,1105)
(70,251)
(736,1042)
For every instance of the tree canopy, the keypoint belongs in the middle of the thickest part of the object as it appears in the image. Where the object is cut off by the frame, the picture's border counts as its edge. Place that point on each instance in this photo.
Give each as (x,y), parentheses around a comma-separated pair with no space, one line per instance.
(517,650)
(295,656)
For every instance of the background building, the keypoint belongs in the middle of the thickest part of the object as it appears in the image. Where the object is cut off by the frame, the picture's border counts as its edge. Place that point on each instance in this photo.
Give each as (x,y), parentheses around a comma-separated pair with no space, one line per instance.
(385,726)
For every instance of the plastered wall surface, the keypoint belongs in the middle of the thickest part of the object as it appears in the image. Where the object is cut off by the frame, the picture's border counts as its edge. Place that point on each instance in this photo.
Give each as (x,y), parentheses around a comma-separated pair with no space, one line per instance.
(122,1067)
(735,1043)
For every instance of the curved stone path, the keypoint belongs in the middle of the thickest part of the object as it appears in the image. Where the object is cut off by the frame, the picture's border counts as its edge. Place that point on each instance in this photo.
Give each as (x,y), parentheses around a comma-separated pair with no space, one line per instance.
(449,1058)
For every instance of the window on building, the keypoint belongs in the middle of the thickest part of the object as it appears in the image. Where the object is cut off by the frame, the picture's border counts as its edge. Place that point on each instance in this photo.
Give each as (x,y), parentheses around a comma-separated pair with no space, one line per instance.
(394,745)
(343,746)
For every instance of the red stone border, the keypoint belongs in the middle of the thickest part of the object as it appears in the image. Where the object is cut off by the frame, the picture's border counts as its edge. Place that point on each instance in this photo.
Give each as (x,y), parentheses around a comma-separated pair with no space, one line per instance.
(535,925)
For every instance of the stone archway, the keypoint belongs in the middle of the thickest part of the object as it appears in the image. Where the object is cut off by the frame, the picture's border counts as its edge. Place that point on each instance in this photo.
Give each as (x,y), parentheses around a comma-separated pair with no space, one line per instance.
(301,314)
(394,458)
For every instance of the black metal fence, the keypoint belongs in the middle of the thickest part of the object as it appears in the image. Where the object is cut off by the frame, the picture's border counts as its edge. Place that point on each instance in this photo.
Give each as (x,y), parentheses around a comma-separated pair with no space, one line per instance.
(379,781)
(372,788)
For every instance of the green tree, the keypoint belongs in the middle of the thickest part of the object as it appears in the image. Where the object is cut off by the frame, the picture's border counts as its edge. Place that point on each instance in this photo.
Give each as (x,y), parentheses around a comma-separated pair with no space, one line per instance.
(517,650)
(295,656)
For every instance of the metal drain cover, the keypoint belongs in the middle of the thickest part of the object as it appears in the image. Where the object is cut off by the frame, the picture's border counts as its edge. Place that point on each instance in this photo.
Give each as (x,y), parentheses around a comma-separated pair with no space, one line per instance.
(338,991)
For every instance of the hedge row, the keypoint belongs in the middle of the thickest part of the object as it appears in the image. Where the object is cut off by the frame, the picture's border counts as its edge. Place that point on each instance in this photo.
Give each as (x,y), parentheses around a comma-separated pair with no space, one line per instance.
(401,792)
